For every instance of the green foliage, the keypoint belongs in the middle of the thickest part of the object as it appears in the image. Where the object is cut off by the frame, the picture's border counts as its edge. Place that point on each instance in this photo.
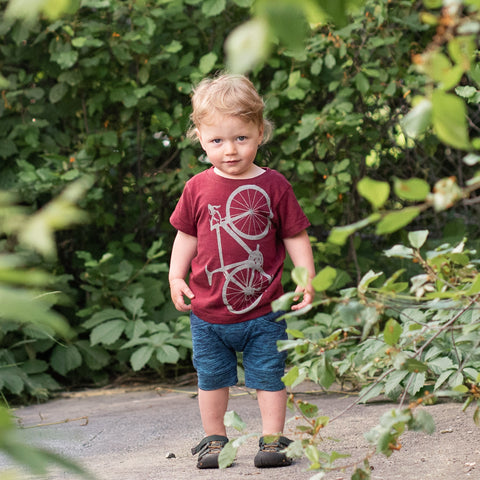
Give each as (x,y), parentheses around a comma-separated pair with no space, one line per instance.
(103,90)
(126,317)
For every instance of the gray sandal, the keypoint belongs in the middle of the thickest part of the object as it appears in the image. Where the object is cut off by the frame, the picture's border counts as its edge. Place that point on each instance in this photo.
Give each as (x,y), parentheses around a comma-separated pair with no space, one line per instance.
(208,451)
(270,454)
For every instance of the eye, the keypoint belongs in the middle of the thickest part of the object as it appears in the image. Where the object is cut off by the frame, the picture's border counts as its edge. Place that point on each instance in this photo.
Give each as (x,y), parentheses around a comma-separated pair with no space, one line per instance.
(216,141)
(241,138)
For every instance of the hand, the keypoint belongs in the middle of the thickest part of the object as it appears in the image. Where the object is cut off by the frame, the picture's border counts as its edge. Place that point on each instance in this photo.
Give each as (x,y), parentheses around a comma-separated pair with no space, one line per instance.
(307,293)
(178,291)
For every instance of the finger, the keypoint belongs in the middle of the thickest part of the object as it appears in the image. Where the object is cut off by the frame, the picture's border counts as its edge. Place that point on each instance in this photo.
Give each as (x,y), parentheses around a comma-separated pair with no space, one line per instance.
(188,293)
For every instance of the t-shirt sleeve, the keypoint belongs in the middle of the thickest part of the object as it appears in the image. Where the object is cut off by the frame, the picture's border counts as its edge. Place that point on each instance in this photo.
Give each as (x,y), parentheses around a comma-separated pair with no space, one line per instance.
(292,218)
(183,218)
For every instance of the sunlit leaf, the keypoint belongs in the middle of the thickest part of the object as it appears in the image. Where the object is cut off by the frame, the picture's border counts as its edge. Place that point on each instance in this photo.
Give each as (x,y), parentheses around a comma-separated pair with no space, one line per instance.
(227,455)
(392,332)
(367,279)
(418,238)
(374,191)
(324,279)
(395,220)
(413,189)
(291,376)
(339,235)
(449,115)
(300,276)
(247,46)
(418,119)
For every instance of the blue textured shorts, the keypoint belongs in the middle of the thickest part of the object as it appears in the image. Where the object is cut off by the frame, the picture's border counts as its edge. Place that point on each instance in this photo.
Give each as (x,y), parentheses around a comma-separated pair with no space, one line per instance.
(215,347)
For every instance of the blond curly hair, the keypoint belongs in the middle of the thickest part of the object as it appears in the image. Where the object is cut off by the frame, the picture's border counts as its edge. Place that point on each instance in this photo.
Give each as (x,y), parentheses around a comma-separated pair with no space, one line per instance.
(228,94)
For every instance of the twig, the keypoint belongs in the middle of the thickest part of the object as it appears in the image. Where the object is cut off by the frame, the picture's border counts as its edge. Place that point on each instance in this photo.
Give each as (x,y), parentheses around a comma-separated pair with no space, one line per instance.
(67,420)
(359,399)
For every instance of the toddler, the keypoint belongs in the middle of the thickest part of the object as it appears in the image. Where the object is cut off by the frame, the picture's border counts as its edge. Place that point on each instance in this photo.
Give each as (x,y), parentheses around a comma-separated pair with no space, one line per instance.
(234,222)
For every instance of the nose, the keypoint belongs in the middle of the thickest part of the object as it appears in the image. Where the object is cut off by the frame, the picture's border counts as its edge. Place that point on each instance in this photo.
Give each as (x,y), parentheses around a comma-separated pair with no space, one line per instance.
(230,148)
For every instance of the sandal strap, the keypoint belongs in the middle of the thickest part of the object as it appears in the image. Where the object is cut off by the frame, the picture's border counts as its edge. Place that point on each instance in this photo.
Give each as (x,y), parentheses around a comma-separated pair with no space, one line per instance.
(204,444)
(278,444)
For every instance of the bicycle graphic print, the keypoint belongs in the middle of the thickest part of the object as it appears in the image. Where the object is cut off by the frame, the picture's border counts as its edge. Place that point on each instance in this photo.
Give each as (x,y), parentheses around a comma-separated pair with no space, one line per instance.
(247,217)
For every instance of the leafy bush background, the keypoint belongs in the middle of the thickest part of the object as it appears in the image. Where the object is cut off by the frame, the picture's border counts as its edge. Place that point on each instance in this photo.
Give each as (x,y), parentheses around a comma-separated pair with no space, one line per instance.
(104,92)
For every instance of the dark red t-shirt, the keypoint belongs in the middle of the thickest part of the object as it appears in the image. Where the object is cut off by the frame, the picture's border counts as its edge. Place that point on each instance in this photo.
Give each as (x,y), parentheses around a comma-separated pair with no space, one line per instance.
(240,226)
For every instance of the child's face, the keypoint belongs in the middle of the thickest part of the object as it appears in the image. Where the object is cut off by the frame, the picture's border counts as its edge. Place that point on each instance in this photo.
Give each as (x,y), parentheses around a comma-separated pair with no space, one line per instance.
(231,144)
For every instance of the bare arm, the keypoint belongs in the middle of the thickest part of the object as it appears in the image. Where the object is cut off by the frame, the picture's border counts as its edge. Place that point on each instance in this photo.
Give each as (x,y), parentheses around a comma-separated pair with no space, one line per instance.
(300,251)
(183,251)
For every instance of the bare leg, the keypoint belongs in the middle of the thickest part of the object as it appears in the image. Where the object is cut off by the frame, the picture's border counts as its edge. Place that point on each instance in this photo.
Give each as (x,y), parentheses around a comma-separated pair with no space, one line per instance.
(273,407)
(213,405)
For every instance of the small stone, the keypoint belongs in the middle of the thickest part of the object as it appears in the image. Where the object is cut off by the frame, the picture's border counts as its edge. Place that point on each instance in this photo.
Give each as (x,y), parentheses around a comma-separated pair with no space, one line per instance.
(170,455)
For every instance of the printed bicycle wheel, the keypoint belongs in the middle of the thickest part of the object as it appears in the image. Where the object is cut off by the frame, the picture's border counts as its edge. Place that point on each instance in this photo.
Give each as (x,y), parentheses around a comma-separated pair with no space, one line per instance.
(243,288)
(248,212)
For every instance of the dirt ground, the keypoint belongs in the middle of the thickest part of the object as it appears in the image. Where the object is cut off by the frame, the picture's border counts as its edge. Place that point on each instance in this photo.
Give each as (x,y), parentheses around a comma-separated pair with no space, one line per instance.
(146,433)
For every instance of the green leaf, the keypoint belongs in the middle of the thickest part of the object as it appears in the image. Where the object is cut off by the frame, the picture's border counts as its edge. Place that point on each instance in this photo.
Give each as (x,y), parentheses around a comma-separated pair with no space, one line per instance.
(361,474)
(418,238)
(370,391)
(415,366)
(300,276)
(295,333)
(326,373)
(416,383)
(100,317)
(7,148)
(233,419)
(324,279)
(339,235)
(309,410)
(422,421)
(133,305)
(330,61)
(475,286)
(141,356)
(287,22)
(395,220)
(362,83)
(400,251)
(211,8)
(392,332)
(374,191)
(108,332)
(12,379)
(471,159)
(450,119)
(291,376)
(414,189)
(207,62)
(57,92)
(438,66)
(367,279)
(394,380)
(284,302)
(227,455)
(95,357)
(308,125)
(167,354)
(65,358)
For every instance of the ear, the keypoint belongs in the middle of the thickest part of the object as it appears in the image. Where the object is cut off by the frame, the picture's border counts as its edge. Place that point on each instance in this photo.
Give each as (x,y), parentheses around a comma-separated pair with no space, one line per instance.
(199,136)
(261,131)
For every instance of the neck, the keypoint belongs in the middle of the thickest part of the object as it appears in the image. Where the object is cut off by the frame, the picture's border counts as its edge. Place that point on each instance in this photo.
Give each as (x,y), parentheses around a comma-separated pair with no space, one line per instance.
(254,171)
